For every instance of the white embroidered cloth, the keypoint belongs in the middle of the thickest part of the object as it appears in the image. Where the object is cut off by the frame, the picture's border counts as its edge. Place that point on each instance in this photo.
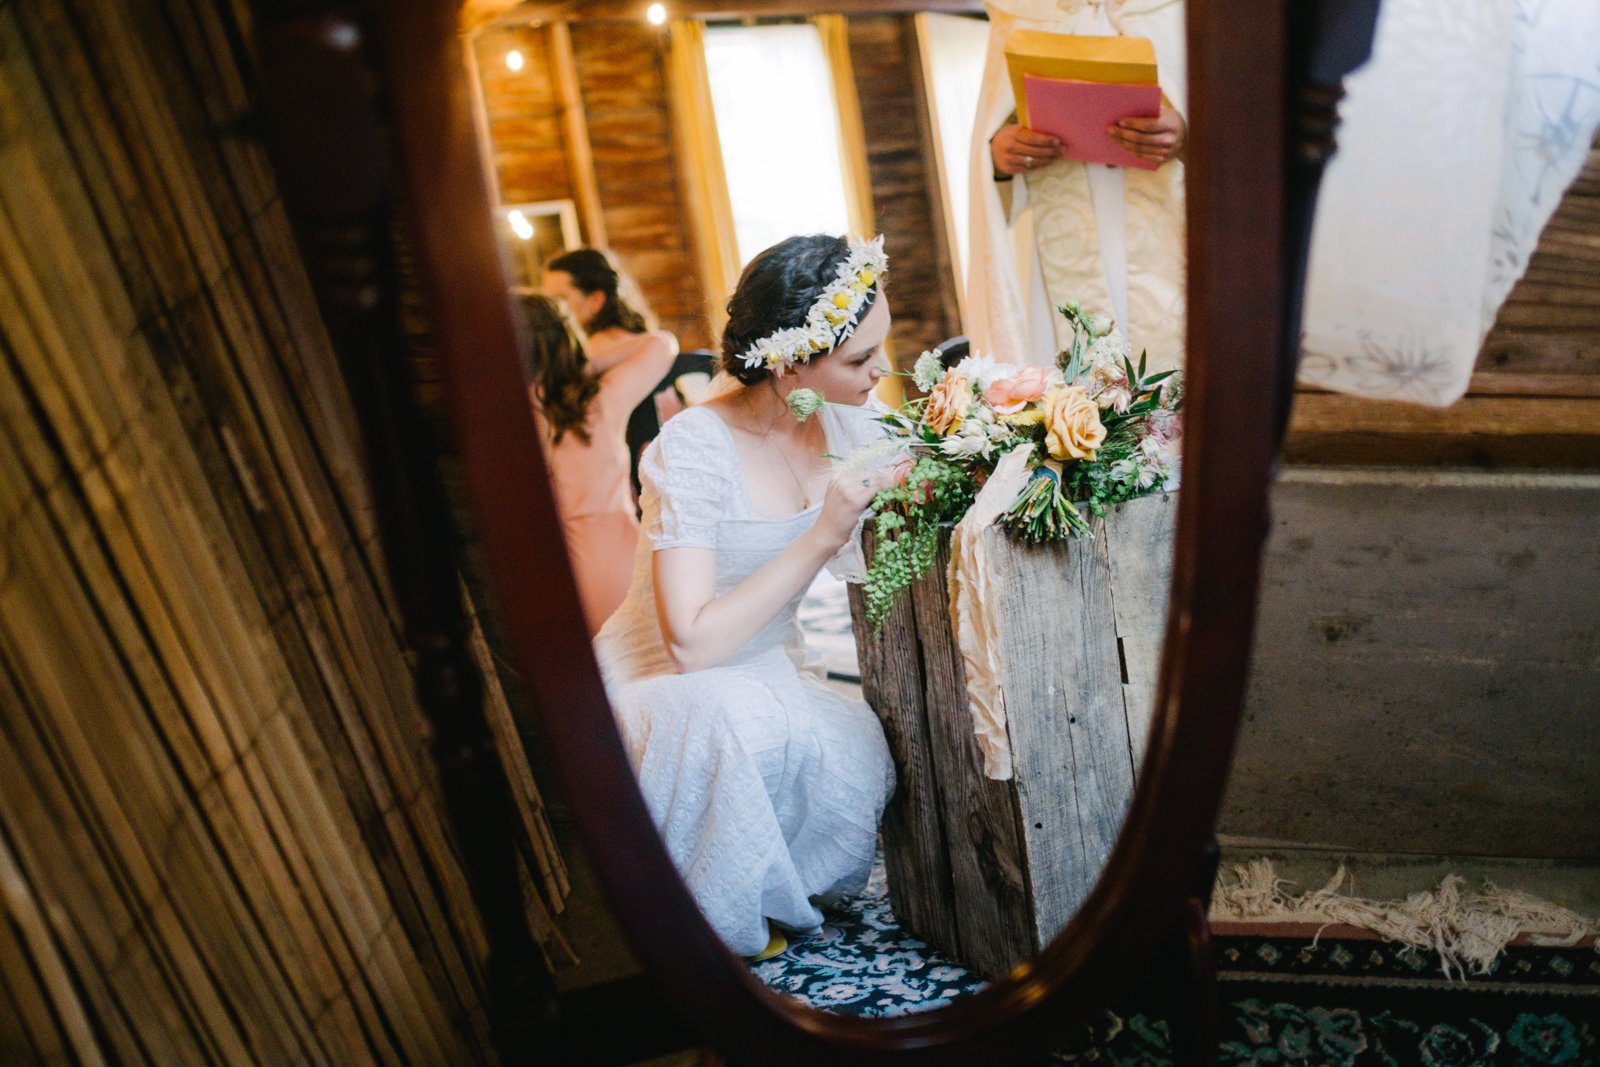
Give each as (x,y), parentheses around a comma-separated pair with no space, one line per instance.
(1457,142)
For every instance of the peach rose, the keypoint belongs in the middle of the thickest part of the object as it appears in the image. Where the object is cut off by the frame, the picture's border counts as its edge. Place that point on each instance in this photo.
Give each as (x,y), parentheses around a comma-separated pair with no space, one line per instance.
(1010,395)
(1072,424)
(948,404)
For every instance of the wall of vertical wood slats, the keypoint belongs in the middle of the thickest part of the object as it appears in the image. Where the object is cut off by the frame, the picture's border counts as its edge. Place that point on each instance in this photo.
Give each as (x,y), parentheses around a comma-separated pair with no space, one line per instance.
(622,86)
(221,839)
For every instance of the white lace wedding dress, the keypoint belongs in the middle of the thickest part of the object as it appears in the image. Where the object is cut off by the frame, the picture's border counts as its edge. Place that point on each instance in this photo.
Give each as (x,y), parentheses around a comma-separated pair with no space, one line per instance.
(766,785)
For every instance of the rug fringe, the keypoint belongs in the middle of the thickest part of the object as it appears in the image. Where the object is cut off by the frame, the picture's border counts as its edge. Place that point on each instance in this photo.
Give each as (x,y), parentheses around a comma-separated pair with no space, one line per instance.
(1466,930)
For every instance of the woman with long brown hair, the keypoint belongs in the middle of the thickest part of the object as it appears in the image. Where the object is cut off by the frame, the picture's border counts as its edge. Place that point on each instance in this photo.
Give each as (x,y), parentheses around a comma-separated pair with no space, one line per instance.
(607,306)
(583,411)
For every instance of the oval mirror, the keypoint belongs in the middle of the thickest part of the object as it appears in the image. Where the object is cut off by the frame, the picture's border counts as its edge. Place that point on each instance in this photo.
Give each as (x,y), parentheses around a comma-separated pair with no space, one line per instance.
(1101,932)
(986,699)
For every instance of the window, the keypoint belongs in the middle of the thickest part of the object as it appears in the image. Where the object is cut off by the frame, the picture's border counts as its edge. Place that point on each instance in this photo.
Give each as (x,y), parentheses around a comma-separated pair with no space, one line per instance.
(954,48)
(777,120)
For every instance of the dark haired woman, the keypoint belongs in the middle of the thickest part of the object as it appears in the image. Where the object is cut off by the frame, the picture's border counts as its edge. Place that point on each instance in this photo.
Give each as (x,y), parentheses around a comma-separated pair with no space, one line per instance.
(582,415)
(766,785)
(603,301)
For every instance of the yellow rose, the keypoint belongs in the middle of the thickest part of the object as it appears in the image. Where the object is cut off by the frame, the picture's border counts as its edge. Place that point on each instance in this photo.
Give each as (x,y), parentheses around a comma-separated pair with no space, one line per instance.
(948,404)
(1072,424)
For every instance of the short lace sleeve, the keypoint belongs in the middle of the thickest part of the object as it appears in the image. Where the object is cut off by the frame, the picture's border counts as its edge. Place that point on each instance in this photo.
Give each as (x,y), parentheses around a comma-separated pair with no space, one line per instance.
(687,475)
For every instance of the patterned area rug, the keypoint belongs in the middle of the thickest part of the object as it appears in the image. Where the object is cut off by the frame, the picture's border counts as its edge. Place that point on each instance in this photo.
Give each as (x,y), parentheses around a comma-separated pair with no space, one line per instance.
(863,964)
(1291,999)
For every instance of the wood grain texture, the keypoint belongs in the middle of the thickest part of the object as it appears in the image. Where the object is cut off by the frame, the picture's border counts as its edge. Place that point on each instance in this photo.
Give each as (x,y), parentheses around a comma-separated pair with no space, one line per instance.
(637,173)
(982,817)
(1023,854)
(918,863)
(1069,735)
(622,79)
(1139,537)
(218,796)
(883,50)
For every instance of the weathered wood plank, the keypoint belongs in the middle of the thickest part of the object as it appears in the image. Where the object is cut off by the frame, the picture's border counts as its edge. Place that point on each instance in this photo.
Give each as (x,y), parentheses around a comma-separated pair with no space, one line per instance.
(918,864)
(982,817)
(1064,712)
(1022,854)
(1139,540)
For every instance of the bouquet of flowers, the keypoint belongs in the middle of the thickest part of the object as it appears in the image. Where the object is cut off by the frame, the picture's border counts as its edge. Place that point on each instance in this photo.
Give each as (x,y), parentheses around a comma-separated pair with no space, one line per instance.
(1102,430)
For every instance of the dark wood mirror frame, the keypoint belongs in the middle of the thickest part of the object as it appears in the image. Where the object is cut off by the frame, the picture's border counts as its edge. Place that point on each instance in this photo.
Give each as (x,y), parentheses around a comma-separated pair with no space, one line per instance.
(365,105)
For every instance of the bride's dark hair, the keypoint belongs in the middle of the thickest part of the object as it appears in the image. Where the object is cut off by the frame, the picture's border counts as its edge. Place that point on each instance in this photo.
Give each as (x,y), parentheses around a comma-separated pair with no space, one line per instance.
(776,292)
(557,366)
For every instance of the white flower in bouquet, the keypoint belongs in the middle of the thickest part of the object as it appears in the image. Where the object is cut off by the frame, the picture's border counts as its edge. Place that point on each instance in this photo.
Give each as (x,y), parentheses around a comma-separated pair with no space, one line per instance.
(1108,350)
(1161,460)
(984,371)
(1109,386)
(977,437)
(1142,474)
(927,371)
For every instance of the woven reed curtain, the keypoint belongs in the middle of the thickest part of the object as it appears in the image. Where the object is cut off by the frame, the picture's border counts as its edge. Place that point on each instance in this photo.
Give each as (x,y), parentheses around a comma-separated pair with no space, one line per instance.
(220,836)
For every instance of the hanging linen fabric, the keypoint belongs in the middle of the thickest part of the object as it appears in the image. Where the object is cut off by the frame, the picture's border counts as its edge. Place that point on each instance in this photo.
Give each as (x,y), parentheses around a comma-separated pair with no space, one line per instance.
(1457,142)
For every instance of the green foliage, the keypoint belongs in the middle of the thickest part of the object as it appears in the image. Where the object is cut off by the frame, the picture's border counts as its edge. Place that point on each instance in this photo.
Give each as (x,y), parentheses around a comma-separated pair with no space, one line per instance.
(909,515)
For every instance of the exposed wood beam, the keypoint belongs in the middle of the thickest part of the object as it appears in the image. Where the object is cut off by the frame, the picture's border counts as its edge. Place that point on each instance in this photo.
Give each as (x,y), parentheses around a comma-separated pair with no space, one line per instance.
(575,128)
(601,10)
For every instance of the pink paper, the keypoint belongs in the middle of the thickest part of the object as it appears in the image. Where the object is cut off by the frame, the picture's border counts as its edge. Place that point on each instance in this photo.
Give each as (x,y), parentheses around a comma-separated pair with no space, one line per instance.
(1078,114)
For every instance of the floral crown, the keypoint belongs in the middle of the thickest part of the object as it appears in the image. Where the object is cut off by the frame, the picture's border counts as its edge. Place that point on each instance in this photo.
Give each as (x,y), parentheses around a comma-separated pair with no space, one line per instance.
(834,316)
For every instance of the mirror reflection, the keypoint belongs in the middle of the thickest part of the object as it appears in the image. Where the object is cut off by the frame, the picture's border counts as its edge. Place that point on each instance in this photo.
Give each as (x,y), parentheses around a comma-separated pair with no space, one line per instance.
(872,532)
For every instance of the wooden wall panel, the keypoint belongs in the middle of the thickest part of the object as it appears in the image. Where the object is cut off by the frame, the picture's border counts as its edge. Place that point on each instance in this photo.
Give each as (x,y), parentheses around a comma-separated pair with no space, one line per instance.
(623,85)
(218,804)
(883,49)
(622,78)
(1550,323)
(523,109)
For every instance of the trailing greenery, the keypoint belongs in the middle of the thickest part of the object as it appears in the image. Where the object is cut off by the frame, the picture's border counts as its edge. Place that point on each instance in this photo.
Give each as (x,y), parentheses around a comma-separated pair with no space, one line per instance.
(909,515)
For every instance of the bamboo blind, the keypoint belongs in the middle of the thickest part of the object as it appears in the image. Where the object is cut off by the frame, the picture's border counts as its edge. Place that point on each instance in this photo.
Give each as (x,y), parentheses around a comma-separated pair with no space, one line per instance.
(220,836)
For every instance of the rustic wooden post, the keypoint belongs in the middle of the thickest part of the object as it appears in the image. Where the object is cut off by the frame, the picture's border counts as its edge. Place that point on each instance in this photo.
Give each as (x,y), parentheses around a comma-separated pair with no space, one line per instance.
(1081,622)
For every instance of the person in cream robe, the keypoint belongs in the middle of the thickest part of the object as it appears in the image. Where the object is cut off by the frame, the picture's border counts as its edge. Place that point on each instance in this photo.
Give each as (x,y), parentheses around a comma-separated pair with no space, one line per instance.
(1035,241)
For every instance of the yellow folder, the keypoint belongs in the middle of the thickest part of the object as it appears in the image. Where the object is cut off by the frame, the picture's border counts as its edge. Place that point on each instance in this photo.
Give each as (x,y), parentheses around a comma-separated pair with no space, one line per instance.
(1119,60)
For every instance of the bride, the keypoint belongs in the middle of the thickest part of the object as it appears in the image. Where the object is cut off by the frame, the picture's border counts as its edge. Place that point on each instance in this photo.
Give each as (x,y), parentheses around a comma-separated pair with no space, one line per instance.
(766,785)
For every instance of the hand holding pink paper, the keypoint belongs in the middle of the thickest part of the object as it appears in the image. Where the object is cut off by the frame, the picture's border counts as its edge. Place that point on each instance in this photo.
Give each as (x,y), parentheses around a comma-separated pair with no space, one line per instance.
(1079,113)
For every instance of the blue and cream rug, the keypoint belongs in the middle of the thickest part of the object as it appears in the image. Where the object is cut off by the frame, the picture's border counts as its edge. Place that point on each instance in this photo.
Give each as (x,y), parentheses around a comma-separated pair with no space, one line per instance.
(863,964)
(1291,1000)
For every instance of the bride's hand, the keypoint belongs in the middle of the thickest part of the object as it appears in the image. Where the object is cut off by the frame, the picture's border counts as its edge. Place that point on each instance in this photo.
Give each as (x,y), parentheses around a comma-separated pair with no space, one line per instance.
(847,497)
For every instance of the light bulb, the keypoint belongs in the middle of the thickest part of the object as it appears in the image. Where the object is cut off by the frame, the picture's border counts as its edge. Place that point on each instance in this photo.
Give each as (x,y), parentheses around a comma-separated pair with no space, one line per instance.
(656,14)
(520,224)
(514,60)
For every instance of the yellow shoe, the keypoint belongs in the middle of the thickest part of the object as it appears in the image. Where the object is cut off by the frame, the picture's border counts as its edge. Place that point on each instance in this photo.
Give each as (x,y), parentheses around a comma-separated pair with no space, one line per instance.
(776,945)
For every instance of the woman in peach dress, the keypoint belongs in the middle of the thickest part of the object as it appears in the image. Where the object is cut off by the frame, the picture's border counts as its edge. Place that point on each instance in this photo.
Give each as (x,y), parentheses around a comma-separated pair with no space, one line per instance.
(582,413)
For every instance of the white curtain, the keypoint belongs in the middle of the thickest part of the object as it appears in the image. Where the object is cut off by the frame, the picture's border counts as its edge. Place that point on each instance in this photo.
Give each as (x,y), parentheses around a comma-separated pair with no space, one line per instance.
(954,48)
(772,93)
(1458,141)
